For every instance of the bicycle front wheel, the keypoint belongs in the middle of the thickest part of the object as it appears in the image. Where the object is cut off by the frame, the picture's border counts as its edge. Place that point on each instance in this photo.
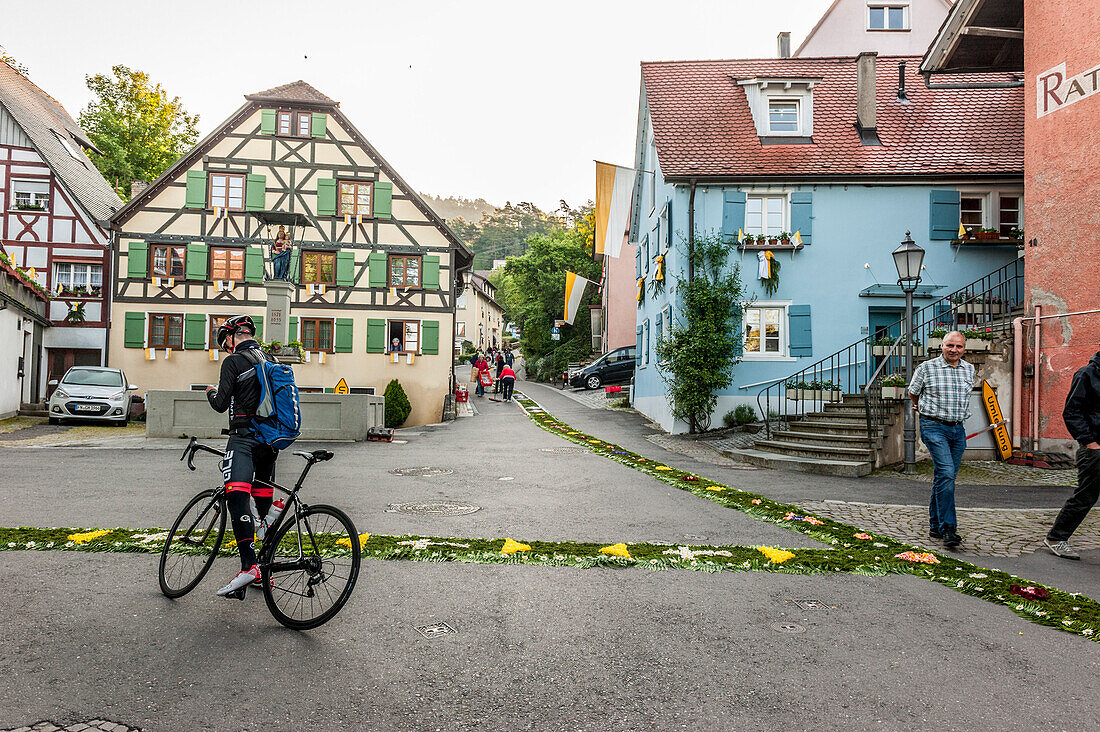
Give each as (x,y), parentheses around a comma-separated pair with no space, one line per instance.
(310,567)
(192,544)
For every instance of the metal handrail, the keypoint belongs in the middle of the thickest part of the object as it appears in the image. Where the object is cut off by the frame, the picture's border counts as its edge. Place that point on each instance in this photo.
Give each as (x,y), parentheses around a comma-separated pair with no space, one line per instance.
(981,301)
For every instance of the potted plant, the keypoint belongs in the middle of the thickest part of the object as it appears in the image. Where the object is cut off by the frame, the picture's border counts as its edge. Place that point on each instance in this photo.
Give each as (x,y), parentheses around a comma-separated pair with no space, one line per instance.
(987,234)
(894,387)
(290,353)
(935,337)
(881,346)
(1016,233)
(979,340)
(773,239)
(816,390)
(785,238)
(761,239)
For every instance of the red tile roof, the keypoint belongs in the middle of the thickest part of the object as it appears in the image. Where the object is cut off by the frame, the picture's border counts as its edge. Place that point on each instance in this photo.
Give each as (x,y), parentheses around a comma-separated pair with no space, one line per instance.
(295,91)
(704,128)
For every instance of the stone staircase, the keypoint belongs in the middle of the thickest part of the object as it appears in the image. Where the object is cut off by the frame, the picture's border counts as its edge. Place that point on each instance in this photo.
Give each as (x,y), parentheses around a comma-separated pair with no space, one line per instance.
(33,409)
(833,441)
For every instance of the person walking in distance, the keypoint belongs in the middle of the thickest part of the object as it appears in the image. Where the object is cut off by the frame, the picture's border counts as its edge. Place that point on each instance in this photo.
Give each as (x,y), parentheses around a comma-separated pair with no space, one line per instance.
(482,367)
(1082,417)
(940,391)
(507,382)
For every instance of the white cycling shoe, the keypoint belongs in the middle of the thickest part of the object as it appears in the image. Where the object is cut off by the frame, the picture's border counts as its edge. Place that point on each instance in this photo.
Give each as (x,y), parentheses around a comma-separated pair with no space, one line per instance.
(243,579)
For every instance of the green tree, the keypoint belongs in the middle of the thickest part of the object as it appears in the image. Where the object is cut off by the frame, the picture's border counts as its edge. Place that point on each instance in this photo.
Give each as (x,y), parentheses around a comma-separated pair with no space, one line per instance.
(533,291)
(705,343)
(139,129)
(10,61)
(504,233)
(397,404)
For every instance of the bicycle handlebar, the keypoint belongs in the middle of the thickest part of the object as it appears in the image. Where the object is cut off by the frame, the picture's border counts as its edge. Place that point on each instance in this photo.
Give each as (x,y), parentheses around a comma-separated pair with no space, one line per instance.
(192,446)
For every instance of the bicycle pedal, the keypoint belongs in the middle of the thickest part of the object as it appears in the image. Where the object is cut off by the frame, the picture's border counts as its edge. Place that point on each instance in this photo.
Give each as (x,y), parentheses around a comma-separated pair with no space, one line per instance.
(238,594)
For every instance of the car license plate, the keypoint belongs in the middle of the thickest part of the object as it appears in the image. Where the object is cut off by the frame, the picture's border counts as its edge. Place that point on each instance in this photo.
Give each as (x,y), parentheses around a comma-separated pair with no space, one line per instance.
(87,408)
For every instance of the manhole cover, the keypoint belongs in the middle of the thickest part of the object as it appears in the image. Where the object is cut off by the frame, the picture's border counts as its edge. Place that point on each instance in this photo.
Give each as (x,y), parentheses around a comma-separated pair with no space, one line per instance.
(788,628)
(434,630)
(433,508)
(563,449)
(426,470)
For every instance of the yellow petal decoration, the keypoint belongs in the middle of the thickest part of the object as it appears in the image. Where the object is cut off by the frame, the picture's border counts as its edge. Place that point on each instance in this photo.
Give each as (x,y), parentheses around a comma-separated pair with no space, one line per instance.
(663,467)
(511,547)
(616,550)
(88,536)
(716,488)
(347,542)
(777,556)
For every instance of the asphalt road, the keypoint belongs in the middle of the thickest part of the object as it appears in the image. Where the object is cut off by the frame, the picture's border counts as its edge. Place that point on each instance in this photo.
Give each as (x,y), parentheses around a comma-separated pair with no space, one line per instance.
(543,648)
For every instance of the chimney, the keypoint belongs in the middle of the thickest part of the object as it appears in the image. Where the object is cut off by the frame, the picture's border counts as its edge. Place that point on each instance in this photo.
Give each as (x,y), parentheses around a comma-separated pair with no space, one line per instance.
(902,96)
(136,187)
(783,41)
(865,98)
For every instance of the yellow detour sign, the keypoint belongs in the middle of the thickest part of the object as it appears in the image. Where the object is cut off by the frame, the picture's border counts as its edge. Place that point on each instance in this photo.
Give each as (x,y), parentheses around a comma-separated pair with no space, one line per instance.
(996,421)
(342,388)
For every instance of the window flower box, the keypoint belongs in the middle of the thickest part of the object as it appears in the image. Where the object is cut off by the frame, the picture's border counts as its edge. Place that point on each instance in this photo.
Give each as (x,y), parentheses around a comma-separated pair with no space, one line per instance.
(935,343)
(978,345)
(981,308)
(816,395)
(895,392)
(884,350)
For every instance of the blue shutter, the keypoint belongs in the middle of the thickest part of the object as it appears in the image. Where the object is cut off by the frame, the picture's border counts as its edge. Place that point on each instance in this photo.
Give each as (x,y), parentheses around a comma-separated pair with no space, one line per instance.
(638,262)
(668,318)
(637,347)
(646,255)
(798,323)
(657,329)
(944,216)
(802,215)
(647,342)
(668,225)
(733,213)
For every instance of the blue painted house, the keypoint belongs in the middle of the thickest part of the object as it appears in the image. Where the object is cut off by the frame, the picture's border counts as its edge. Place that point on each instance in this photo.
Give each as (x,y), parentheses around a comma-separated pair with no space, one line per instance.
(851,153)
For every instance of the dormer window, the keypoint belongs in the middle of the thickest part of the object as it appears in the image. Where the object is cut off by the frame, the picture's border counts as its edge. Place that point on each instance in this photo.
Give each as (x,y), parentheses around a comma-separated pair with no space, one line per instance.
(782,108)
(783,116)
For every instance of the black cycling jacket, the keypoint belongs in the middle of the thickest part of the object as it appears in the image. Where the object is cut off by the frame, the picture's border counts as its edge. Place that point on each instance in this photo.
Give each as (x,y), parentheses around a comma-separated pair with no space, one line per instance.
(1082,410)
(239,389)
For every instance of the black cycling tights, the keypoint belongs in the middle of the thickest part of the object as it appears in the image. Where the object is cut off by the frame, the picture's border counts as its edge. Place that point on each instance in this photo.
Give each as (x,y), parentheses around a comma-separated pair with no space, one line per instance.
(243,530)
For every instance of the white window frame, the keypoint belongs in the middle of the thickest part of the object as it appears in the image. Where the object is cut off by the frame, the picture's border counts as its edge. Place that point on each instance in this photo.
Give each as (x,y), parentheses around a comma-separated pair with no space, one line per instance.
(784,331)
(19,187)
(404,336)
(886,6)
(797,102)
(764,212)
(88,272)
(991,204)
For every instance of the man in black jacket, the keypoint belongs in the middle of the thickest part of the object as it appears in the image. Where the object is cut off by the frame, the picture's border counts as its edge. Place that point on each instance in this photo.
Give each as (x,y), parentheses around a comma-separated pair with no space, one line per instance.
(1082,418)
(246,458)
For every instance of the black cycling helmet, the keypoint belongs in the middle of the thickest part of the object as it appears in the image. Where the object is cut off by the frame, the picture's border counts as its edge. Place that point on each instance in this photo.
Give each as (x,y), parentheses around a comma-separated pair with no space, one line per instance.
(235,325)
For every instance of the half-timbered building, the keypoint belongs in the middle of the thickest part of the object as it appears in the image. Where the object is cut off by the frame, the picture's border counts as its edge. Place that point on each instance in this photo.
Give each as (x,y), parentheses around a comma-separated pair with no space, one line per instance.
(55,218)
(373,272)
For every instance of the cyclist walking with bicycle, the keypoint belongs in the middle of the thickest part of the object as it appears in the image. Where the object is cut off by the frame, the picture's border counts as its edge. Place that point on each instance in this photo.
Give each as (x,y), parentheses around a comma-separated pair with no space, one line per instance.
(246,458)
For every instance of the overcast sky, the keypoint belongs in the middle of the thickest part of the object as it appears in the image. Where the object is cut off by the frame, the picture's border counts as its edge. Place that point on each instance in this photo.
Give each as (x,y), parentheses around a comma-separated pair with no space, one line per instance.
(500,100)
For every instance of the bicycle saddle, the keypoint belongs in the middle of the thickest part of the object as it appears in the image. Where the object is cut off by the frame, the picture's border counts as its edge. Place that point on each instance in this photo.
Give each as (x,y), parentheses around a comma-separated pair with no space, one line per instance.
(317,456)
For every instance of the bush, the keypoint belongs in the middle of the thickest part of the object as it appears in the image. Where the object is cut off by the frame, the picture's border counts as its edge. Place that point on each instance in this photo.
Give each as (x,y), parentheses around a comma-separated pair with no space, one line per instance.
(743,414)
(397,404)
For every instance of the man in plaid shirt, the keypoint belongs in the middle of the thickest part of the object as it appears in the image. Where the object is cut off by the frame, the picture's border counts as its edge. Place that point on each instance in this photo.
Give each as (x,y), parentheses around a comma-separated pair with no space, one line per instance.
(940,391)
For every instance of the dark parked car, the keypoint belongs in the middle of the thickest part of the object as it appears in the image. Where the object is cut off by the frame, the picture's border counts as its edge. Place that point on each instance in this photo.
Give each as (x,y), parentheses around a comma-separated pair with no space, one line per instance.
(613,367)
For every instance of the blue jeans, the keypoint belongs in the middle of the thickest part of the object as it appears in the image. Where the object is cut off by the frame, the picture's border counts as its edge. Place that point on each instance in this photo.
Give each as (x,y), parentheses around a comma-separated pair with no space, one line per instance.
(946,443)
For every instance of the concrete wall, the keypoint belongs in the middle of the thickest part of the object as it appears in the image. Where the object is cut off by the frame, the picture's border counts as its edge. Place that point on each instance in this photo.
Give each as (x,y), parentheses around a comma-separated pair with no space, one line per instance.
(843,30)
(324,416)
(1061,206)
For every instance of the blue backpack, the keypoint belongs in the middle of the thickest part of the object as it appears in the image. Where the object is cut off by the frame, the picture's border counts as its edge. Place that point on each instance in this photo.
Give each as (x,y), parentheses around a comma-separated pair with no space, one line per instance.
(278,420)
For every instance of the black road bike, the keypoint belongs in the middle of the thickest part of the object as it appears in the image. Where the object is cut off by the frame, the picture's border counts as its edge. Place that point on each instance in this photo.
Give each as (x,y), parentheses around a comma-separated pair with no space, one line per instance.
(309,558)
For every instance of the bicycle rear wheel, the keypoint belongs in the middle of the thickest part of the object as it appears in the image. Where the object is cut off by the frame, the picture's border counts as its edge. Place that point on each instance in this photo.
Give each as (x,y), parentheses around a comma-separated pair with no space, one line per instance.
(310,567)
(192,544)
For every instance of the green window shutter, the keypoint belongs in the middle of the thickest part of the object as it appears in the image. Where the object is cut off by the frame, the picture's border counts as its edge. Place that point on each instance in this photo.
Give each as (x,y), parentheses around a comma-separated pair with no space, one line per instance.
(431,273)
(196,189)
(431,337)
(733,213)
(944,215)
(255,193)
(377,263)
(137,259)
(292,329)
(383,200)
(345,268)
(134,334)
(317,129)
(259,321)
(253,264)
(292,273)
(376,335)
(343,338)
(326,197)
(267,121)
(197,265)
(194,330)
(802,215)
(801,341)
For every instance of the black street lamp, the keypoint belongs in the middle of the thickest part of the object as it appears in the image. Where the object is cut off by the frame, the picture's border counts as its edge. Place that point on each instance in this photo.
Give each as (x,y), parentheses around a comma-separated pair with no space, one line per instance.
(908,259)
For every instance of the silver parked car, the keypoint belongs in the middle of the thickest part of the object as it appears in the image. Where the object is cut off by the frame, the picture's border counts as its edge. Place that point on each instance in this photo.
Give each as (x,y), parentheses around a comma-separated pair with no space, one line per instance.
(91,392)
